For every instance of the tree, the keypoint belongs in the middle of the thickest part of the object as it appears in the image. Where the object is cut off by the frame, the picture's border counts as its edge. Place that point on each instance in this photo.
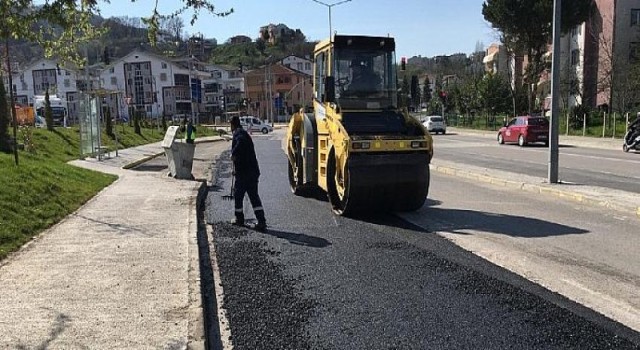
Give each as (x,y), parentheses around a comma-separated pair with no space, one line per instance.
(526,27)
(404,92)
(105,56)
(4,120)
(494,94)
(173,25)
(108,125)
(136,122)
(48,113)
(415,91)
(426,90)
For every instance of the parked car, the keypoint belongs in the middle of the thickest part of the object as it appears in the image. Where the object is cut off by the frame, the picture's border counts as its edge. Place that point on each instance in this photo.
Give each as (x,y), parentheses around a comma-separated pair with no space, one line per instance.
(525,130)
(251,123)
(435,123)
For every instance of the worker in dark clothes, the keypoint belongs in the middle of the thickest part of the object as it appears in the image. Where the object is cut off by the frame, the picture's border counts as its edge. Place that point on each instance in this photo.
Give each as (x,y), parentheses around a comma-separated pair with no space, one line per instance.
(190,134)
(246,172)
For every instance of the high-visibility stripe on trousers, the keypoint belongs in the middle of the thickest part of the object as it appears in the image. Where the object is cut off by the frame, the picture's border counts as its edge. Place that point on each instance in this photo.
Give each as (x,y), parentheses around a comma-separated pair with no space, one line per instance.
(243,187)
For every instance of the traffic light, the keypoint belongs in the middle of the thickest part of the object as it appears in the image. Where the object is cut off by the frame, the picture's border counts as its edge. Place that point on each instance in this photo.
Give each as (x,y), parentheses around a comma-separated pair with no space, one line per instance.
(403,63)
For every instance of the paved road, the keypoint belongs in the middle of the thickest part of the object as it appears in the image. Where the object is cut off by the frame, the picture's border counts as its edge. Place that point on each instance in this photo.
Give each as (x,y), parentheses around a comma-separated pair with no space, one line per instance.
(580,165)
(317,281)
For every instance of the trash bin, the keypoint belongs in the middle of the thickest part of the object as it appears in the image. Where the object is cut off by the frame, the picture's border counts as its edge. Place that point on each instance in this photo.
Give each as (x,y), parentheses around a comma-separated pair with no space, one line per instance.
(179,154)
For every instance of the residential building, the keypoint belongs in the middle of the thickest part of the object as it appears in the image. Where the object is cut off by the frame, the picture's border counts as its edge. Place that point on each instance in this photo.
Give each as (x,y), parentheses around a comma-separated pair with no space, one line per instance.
(223,89)
(47,75)
(276,91)
(596,56)
(239,39)
(496,60)
(300,64)
(154,85)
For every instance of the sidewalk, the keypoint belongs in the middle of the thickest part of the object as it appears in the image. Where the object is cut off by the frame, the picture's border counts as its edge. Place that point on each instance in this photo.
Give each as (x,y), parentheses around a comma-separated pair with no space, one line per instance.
(626,202)
(121,272)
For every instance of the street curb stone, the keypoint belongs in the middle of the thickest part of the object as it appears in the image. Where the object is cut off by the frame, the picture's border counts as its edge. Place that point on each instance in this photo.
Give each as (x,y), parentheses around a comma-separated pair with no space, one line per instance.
(540,189)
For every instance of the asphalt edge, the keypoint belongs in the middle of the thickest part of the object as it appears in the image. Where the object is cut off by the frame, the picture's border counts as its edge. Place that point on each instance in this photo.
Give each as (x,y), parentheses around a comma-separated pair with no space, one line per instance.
(538,189)
(208,323)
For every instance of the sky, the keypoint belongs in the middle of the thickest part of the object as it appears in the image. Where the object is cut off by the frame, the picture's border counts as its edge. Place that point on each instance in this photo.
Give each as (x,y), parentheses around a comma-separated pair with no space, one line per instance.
(424,28)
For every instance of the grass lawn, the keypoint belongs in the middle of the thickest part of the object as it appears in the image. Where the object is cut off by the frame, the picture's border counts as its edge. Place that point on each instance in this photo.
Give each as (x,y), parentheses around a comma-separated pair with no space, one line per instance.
(43,188)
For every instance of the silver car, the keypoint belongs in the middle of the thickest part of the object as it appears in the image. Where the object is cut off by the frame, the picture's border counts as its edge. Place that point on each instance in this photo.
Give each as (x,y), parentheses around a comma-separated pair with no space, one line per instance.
(250,123)
(435,123)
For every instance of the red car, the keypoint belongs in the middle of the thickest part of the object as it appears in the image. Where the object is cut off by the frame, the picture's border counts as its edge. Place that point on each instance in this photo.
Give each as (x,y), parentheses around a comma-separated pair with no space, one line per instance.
(524,130)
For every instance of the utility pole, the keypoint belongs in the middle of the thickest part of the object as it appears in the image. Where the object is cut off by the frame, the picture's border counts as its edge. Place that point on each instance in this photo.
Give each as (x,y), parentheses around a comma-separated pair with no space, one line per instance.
(555,98)
(329,6)
(270,95)
(191,87)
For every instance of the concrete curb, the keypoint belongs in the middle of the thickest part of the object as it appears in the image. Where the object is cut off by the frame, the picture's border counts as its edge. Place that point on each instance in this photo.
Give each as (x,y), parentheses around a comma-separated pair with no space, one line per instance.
(544,189)
(148,158)
(197,323)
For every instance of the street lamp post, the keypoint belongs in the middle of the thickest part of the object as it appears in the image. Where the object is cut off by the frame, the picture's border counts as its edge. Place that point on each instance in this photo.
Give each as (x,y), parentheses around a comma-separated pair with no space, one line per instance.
(329,6)
(552,174)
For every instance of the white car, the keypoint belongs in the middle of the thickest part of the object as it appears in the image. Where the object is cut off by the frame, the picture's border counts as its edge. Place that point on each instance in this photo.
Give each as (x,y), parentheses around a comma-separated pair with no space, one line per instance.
(250,123)
(435,123)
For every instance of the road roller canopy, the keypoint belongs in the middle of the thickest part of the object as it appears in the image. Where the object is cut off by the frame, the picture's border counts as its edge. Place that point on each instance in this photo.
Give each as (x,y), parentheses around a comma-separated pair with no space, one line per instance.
(365,72)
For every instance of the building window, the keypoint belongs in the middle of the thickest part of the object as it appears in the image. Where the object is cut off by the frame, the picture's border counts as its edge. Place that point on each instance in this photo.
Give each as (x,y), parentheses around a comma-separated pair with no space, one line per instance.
(299,65)
(24,86)
(164,65)
(307,66)
(635,17)
(574,31)
(163,76)
(67,83)
(574,57)
(112,69)
(114,81)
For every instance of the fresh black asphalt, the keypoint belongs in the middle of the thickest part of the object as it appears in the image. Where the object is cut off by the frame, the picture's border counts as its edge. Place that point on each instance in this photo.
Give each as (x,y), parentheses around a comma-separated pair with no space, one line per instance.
(318,281)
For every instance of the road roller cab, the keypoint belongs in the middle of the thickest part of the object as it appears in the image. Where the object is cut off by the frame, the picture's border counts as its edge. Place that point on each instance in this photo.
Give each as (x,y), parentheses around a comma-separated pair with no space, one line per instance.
(358,146)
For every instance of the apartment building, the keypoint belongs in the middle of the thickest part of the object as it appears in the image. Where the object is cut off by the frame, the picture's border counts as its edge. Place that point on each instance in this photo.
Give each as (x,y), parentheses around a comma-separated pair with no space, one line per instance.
(276,90)
(597,55)
(45,75)
(153,85)
(223,89)
(496,60)
(143,82)
(300,64)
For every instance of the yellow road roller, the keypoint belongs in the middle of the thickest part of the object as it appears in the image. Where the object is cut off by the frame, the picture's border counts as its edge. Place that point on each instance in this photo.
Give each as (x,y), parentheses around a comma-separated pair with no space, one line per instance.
(358,146)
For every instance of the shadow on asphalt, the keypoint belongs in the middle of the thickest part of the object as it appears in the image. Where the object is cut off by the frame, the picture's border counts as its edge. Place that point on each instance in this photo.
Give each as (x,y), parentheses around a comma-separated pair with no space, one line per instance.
(458,221)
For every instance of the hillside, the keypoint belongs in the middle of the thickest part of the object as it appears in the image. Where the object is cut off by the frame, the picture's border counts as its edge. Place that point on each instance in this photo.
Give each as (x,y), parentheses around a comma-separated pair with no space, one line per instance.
(125,34)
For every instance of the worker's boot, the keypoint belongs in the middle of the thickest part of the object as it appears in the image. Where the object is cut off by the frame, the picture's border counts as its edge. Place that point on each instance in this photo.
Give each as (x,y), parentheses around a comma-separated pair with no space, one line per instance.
(262,222)
(239,220)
